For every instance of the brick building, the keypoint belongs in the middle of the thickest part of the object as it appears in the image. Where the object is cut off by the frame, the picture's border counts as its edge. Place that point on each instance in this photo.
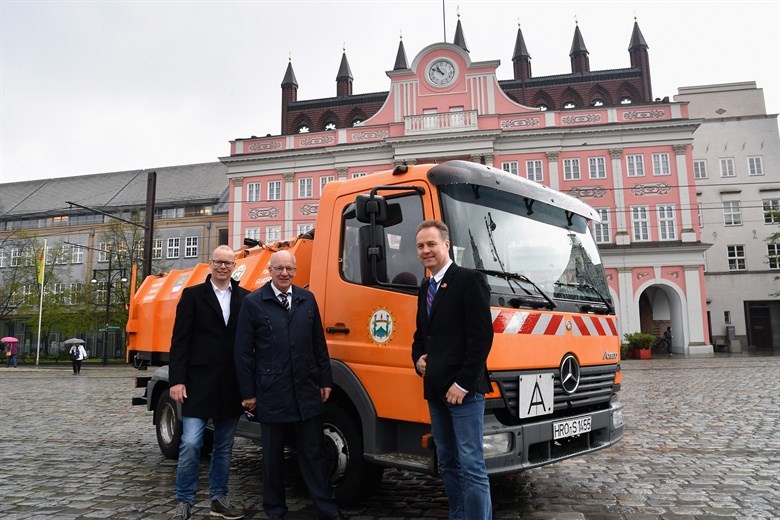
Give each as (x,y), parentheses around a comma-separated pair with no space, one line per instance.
(597,135)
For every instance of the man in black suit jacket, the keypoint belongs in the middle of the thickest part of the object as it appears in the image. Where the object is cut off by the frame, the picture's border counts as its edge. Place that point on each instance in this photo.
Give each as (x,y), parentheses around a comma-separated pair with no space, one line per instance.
(203,380)
(451,345)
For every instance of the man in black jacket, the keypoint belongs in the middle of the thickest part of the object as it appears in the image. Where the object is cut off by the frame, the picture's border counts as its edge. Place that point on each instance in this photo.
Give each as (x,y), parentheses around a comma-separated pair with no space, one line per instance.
(451,345)
(203,380)
(284,375)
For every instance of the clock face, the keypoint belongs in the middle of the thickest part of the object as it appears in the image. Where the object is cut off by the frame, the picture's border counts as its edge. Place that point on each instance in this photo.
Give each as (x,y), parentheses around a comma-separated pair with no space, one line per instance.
(441,73)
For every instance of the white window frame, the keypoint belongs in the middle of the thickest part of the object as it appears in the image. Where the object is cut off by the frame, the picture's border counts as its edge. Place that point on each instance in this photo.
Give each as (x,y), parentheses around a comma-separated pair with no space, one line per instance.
(700,169)
(325,179)
(601,230)
(77,254)
(253,192)
(732,213)
(727,167)
(305,188)
(640,223)
(661,165)
(273,233)
(190,247)
(359,174)
(304,228)
(534,170)
(510,167)
(16,255)
(635,165)
(157,249)
(667,222)
(736,257)
(571,169)
(105,250)
(755,165)
(597,168)
(252,232)
(773,255)
(76,292)
(771,209)
(3,258)
(274,190)
(173,248)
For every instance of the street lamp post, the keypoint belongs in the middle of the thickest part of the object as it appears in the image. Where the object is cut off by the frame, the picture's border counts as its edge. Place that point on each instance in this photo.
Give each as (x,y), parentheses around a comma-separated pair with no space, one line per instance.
(108,301)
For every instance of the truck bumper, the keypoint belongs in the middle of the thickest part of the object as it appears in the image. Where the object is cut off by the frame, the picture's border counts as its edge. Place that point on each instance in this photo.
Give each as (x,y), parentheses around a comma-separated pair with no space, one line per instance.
(533,444)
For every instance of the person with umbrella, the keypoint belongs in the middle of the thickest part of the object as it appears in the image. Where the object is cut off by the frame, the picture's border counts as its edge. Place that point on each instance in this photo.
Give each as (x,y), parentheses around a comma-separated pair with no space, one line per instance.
(77,353)
(13,350)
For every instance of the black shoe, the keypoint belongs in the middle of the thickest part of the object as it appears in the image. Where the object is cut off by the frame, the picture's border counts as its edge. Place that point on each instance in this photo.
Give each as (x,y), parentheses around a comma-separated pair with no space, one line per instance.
(223,508)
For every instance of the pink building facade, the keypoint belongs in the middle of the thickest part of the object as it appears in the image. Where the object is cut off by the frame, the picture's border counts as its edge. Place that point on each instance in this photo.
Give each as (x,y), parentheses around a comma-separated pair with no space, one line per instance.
(630,159)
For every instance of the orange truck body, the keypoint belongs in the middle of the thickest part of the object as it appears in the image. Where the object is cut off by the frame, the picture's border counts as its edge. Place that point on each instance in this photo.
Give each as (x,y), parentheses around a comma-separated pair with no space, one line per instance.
(361,266)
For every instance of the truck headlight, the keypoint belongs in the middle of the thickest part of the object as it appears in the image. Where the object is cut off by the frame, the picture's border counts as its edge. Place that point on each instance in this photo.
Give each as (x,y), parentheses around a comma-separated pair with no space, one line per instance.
(617,418)
(496,444)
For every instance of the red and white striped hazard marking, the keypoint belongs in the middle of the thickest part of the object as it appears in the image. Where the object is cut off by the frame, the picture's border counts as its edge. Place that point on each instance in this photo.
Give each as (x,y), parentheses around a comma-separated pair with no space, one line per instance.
(549,324)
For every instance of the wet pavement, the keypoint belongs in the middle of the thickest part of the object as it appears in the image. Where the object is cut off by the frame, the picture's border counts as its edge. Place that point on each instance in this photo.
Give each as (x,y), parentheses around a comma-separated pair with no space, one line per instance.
(702,441)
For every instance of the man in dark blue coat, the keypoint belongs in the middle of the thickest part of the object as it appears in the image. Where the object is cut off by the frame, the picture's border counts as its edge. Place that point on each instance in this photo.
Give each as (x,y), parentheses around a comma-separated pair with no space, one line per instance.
(284,375)
(203,380)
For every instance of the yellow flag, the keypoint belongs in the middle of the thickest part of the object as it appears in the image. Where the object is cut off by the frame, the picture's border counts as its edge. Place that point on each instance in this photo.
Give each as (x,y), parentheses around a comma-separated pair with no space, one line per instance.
(41,259)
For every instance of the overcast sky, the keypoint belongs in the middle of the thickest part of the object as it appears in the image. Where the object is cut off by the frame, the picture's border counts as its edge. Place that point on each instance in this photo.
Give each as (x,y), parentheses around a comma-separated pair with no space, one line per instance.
(98,86)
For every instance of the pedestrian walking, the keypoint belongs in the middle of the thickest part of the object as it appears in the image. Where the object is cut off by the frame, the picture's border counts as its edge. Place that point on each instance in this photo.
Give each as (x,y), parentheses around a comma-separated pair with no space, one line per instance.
(450,348)
(285,377)
(203,380)
(13,352)
(77,354)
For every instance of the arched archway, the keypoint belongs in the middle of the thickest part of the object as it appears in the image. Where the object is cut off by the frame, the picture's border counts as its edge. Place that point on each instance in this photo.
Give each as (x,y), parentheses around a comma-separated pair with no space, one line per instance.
(660,306)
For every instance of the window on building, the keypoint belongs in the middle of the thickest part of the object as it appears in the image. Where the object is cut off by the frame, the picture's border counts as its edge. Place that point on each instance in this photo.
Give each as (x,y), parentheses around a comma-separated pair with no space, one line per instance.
(58,292)
(736,256)
(157,249)
(303,129)
(756,165)
(601,229)
(569,105)
(700,169)
(773,255)
(727,167)
(252,232)
(330,127)
(635,165)
(626,100)
(732,213)
(661,164)
(358,174)
(639,223)
(274,190)
(3,258)
(190,247)
(121,249)
(357,122)
(27,258)
(597,168)
(304,228)
(571,169)
(15,256)
(174,243)
(305,188)
(105,251)
(101,290)
(666,222)
(139,248)
(253,192)
(510,167)
(325,179)
(771,211)
(727,316)
(543,107)
(273,233)
(77,255)
(597,103)
(533,170)
(76,293)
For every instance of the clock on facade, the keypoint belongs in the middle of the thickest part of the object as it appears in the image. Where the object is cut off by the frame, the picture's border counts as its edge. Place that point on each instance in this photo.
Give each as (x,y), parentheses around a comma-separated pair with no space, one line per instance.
(441,73)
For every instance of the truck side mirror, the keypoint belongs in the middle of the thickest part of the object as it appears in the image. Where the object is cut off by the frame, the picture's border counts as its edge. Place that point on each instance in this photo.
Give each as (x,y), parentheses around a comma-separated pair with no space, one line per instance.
(366,205)
(373,261)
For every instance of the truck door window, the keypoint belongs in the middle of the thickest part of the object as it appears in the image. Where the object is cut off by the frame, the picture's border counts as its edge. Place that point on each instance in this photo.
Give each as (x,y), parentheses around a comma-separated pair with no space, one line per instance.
(399,245)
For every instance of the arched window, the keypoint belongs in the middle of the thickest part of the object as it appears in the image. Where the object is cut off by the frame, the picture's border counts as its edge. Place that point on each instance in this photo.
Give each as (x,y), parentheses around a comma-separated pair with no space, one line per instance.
(569,105)
(303,128)
(330,126)
(626,100)
(542,107)
(357,122)
(597,103)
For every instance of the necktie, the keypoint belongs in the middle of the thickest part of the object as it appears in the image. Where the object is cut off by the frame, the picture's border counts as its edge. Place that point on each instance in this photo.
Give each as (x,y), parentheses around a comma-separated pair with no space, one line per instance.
(285,302)
(430,295)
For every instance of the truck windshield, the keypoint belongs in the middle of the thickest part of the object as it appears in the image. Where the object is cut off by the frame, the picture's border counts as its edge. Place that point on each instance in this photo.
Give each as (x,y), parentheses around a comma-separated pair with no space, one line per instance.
(505,235)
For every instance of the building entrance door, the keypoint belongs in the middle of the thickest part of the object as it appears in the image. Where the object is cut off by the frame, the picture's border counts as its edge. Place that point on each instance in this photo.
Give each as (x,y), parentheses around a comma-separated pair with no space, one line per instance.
(760,326)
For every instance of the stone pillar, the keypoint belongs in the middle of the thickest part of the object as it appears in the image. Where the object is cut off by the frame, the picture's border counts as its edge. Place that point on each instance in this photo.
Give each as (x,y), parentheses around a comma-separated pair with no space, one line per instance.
(552,170)
(687,207)
(289,197)
(237,238)
(695,309)
(622,237)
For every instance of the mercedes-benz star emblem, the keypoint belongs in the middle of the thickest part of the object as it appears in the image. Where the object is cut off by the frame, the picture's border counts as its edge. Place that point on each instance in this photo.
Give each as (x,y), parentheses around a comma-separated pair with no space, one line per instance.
(570,374)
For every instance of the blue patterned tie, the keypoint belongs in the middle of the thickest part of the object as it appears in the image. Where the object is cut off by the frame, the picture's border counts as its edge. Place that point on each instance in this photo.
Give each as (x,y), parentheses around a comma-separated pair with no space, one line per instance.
(430,295)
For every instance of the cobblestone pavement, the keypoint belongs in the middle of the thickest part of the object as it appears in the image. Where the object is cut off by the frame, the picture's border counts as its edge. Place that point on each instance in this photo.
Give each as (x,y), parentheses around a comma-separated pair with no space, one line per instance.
(702,441)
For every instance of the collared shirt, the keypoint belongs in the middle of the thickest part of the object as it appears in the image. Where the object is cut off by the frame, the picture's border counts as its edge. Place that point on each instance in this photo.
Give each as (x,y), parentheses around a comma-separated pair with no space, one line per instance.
(223,297)
(277,292)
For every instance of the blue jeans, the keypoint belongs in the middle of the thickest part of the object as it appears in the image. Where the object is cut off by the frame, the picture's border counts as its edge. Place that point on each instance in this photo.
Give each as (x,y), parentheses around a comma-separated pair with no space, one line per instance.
(457,432)
(11,359)
(189,457)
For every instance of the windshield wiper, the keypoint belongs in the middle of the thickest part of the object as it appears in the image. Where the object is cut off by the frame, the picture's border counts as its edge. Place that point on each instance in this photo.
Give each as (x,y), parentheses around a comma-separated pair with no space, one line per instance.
(523,278)
(586,285)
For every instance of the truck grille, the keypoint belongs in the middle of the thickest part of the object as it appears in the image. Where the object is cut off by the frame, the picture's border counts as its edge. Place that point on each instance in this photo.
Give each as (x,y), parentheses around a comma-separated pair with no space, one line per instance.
(595,388)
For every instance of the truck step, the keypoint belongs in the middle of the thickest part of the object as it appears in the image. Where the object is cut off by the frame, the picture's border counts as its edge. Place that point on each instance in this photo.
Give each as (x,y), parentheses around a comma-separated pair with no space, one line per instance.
(403,460)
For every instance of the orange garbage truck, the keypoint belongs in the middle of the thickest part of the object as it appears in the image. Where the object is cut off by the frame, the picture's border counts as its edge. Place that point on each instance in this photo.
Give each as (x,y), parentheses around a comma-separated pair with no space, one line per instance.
(554,366)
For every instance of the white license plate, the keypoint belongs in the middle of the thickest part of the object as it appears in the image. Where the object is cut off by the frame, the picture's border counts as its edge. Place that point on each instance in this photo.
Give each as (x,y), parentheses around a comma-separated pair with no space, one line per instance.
(563,429)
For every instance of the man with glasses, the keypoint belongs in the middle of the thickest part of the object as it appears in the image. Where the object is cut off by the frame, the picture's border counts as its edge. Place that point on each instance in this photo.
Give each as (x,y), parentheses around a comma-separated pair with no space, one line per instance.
(284,376)
(203,380)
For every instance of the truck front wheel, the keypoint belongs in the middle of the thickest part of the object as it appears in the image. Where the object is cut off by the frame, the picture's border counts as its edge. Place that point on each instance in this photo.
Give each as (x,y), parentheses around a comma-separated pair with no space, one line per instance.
(351,476)
(168,423)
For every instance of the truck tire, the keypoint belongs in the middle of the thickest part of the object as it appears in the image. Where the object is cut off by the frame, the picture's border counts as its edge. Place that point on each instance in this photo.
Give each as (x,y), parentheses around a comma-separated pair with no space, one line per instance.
(168,424)
(351,476)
